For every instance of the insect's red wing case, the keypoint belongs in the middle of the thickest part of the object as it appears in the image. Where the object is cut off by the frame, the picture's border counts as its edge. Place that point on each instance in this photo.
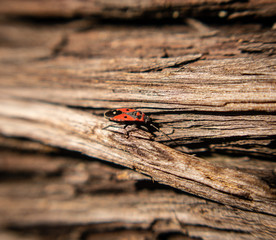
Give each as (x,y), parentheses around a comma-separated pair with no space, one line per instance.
(123,118)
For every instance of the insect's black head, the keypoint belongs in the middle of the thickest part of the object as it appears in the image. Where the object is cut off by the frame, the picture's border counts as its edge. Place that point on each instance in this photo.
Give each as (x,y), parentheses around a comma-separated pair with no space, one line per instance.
(112,113)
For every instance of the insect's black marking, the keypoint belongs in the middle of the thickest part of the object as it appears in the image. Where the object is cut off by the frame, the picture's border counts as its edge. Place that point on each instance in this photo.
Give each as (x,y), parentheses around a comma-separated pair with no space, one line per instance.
(132,114)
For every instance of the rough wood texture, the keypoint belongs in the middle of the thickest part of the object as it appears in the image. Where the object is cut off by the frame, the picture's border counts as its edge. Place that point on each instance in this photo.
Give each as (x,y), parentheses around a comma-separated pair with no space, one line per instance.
(96,197)
(211,89)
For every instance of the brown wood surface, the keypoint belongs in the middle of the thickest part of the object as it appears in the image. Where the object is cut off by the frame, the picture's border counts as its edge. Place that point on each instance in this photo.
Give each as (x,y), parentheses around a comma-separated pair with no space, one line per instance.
(160,9)
(210,87)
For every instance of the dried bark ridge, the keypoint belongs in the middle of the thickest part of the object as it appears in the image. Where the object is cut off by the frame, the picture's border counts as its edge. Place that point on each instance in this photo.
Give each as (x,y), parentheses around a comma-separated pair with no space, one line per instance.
(79,131)
(202,86)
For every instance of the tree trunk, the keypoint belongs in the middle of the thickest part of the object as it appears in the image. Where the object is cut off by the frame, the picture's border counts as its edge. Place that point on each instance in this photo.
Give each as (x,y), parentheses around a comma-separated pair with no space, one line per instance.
(69,173)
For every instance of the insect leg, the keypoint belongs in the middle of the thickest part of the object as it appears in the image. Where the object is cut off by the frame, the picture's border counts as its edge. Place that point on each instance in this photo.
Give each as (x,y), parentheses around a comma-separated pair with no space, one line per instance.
(111,125)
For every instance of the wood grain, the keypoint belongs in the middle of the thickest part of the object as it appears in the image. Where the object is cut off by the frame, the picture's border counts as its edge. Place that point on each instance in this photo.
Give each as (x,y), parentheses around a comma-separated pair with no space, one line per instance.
(210,88)
(82,132)
(69,191)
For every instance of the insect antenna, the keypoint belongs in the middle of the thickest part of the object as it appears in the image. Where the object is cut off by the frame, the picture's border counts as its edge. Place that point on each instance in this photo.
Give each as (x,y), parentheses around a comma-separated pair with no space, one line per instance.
(163,133)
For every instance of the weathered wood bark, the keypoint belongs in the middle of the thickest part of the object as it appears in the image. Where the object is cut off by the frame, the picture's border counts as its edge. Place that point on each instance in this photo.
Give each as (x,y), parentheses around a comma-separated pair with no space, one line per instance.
(211,89)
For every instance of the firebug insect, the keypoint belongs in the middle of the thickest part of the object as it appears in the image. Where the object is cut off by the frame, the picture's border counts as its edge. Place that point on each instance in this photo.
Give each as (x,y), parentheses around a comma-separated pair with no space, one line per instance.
(129,116)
